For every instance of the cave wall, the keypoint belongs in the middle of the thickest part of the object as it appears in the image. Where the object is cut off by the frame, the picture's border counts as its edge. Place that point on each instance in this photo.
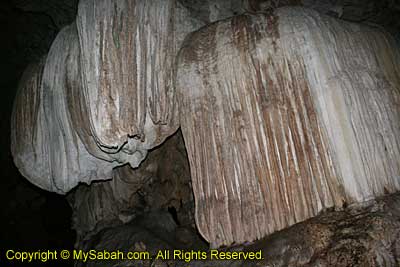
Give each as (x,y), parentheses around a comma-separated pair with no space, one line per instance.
(102,145)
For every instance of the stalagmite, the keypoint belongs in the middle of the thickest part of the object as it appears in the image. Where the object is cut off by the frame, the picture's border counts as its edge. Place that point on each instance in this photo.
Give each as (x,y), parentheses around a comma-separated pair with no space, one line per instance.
(284,115)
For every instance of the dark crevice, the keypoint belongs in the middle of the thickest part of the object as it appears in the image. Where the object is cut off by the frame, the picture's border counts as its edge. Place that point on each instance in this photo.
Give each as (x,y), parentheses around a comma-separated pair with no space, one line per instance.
(174,215)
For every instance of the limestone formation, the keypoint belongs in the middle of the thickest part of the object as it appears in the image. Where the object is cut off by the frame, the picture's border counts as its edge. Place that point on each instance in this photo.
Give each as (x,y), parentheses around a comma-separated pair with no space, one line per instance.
(103,96)
(284,115)
(46,143)
(161,183)
(107,95)
(284,112)
(357,236)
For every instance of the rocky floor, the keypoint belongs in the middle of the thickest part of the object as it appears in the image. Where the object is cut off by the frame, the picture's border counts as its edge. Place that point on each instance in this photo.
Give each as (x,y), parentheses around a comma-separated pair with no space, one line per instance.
(366,235)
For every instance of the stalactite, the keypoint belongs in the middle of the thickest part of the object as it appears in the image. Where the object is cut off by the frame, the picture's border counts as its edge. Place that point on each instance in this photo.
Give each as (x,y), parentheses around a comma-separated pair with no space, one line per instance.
(284,115)
(46,146)
(106,96)
(128,51)
(27,113)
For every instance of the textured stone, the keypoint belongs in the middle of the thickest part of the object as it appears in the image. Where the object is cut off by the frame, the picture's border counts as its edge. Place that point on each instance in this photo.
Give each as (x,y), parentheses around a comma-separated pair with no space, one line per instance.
(162,182)
(295,113)
(104,99)
(150,232)
(285,113)
(107,94)
(359,236)
(45,143)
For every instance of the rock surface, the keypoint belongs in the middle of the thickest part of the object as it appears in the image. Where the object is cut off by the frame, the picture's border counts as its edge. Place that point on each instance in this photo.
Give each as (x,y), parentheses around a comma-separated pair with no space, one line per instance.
(162,182)
(98,106)
(358,236)
(362,235)
(104,94)
(279,111)
(285,114)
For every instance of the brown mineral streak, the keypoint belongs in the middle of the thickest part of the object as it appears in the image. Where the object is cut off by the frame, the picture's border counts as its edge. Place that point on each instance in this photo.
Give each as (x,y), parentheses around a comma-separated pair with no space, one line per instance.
(280,180)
